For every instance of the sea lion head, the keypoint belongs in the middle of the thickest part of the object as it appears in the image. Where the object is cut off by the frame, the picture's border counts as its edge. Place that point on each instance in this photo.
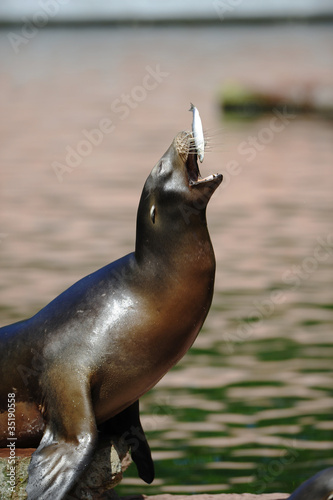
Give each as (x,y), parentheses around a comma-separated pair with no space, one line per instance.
(175,196)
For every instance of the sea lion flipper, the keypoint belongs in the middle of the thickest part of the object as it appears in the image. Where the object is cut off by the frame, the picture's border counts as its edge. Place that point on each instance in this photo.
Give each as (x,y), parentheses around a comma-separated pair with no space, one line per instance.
(140,450)
(127,426)
(142,458)
(66,447)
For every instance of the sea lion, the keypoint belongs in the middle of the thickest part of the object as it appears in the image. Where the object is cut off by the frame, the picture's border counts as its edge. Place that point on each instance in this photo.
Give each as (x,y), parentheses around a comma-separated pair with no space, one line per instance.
(318,487)
(79,366)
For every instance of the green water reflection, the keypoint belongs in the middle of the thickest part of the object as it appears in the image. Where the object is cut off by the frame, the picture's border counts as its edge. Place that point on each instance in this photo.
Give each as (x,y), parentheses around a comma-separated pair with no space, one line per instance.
(265,433)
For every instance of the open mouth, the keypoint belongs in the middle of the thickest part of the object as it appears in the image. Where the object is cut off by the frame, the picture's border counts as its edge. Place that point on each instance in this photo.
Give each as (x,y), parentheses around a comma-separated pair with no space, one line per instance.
(193,171)
(186,149)
(192,167)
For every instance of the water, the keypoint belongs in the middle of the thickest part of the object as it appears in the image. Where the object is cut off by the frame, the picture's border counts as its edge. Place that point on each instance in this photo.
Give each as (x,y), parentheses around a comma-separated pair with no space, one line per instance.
(249,408)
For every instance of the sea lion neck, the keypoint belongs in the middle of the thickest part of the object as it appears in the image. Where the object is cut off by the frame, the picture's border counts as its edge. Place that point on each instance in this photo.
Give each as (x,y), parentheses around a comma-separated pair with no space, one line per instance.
(176,240)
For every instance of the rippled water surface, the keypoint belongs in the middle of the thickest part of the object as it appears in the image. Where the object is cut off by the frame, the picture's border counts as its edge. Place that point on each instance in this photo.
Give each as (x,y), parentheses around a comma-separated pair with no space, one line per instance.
(249,408)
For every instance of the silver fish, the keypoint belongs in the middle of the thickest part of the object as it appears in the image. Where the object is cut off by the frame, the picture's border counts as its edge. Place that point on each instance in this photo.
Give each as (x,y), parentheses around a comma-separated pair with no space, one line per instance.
(197,131)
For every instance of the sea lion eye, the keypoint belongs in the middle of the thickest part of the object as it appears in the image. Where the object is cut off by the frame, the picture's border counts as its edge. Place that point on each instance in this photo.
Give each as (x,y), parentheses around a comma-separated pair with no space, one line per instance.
(160,167)
(152,214)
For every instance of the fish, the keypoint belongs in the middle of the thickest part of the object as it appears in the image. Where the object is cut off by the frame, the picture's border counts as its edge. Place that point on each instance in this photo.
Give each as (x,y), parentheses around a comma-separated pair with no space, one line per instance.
(197,131)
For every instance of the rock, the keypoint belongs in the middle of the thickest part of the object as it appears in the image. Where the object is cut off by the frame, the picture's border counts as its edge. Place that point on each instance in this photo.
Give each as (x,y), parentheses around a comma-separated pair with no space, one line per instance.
(97,482)
(250,100)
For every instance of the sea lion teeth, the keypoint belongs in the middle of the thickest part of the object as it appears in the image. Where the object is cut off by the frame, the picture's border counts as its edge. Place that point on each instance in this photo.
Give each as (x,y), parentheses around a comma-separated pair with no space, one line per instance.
(209,178)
